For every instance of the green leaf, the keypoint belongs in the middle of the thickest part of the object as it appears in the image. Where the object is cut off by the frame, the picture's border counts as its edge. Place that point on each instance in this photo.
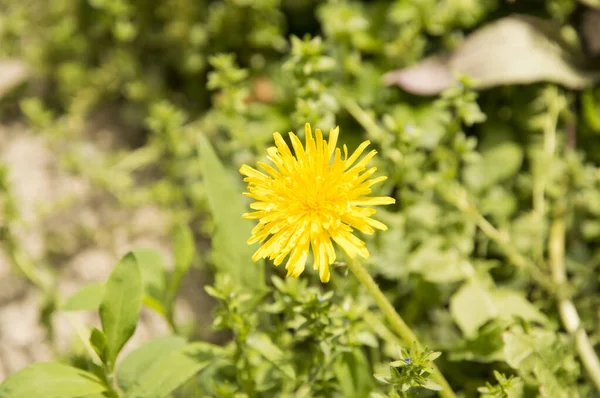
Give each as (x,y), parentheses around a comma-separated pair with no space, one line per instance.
(120,306)
(98,342)
(153,272)
(354,374)
(511,50)
(87,298)
(262,344)
(473,305)
(438,265)
(184,248)
(432,385)
(169,372)
(141,360)
(50,380)
(231,254)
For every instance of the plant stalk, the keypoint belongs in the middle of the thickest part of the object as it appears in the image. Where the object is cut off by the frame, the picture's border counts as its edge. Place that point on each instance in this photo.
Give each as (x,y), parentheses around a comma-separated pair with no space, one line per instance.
(397,324)
(566,308)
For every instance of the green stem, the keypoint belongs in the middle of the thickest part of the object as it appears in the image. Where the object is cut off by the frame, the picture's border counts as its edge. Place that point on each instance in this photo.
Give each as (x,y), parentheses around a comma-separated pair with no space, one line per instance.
(363,118)
(396,322)
(566,308)
(513,254)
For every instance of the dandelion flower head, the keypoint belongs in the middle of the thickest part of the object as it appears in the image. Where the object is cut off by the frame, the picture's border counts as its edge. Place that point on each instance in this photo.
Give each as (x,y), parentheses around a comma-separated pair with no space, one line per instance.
(310,199)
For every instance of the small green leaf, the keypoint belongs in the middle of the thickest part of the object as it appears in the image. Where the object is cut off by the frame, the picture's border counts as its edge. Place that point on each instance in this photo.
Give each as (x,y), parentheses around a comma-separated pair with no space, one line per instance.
(98,342)
(432,385)
(141,360)
(184,248)
(169,372)
(231,254)
(87,298)
(121,305)
(51,380)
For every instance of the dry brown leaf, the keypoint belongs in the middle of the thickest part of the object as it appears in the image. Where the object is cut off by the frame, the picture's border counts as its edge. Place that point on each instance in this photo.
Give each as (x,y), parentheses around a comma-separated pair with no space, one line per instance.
(512,50)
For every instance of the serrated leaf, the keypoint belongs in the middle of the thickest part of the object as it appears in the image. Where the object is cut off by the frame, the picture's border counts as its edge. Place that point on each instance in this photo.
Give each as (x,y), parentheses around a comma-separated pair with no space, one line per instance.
(88,298)
(512,50)
(169,372)
(50,380)
(231,254)
(142,359)
(120,307)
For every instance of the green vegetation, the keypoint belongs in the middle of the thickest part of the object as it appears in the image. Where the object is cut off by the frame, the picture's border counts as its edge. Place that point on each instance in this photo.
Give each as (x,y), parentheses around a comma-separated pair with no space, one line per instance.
(486,117)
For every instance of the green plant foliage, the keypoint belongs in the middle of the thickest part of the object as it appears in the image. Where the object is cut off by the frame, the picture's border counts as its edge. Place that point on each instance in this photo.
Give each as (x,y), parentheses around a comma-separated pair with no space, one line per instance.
(484,115)
(120,306)
(87,298)
(230,252)
(52,380)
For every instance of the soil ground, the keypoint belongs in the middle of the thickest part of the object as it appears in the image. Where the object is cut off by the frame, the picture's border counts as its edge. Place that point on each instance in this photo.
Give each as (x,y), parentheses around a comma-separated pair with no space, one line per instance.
(80,240)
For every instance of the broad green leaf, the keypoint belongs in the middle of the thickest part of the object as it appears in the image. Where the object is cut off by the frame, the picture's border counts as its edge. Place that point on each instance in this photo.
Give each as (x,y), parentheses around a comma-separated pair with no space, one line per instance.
(262,344)
(98,342)
(87,298)
(231,254)
(184,248)
(153,272)
(474,304)
(50,380)
(437,265)
(169,372)
(512,50)
(141,360)
(120,306)
(517,348)
(354,374)
(512,303)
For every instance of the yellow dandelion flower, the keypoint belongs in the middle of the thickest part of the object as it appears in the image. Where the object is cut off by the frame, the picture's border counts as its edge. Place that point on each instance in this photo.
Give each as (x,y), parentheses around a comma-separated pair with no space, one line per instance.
(311,199)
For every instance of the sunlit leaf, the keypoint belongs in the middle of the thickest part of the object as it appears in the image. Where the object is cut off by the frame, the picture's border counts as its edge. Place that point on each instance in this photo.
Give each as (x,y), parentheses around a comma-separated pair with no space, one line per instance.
(50,380)
(231,254)
(120,306)
(168,372)
(87,298)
